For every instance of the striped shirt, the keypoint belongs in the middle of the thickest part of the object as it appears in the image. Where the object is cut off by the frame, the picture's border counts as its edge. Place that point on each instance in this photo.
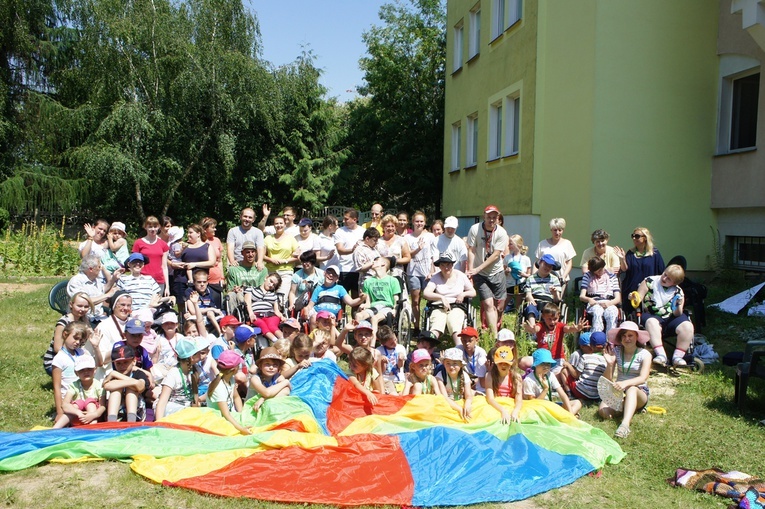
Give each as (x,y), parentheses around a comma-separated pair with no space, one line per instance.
(591,366)
(141,289)
(262,301)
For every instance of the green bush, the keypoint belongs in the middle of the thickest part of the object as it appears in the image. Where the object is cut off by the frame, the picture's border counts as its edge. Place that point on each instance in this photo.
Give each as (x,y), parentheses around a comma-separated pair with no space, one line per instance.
(36,250)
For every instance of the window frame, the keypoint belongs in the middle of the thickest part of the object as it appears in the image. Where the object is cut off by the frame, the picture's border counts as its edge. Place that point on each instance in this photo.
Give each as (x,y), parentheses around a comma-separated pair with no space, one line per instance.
(459,36)
(474,35)
(471,148)
(456,147)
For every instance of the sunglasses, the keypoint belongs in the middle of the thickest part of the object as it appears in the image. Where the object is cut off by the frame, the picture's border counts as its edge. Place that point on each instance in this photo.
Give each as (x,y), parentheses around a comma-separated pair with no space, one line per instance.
(637,236)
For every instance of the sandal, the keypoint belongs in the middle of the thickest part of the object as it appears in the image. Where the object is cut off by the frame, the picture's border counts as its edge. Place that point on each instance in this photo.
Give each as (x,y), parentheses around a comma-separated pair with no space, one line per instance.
(622,431)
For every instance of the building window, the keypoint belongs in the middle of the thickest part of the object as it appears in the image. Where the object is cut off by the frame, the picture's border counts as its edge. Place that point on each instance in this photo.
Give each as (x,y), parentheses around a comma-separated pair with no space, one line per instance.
(472,141)
(458,32)
(749,252)
(474,46)
(743,122)
(512,125)
(495,130)
(505,13)
(456,144)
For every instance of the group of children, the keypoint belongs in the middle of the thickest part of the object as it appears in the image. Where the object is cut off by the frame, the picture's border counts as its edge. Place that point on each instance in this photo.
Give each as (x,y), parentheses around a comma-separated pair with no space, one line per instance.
(166,371)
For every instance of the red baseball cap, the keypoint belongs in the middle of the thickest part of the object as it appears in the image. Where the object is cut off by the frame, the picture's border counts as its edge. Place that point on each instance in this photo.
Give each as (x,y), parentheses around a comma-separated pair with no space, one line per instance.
(491,208)
(230,320)
(469,331)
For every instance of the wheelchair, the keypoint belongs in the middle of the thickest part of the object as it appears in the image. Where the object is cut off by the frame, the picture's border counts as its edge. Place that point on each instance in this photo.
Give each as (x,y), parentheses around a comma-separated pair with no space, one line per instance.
(520,332)
(471,313)
(400,320)
(580,307)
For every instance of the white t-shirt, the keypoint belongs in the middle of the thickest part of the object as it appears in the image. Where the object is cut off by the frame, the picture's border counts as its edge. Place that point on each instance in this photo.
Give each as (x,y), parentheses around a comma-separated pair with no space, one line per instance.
(310,244)
(348,238)
(485,243)
(224,392)
(461,284)
(475,365)
(563,251)
(455,247)
(326,246)
(532,387)
(422,261)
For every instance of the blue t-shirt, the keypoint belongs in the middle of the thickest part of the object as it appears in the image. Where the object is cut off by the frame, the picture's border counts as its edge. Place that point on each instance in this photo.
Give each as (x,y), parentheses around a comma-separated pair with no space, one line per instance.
(205,299)
(335,291)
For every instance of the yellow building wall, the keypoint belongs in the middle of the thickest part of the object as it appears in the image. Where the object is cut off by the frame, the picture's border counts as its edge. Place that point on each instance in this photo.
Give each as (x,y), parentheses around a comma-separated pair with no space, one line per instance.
(618,120)
(507,62)
(626,121)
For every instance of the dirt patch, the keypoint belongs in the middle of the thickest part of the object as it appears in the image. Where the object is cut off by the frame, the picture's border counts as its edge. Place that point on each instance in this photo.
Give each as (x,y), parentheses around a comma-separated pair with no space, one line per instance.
(662,384)
(22,287)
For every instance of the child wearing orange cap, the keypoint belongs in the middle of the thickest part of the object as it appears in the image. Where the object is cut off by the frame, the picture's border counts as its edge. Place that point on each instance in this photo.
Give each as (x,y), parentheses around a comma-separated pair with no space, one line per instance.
(504,380)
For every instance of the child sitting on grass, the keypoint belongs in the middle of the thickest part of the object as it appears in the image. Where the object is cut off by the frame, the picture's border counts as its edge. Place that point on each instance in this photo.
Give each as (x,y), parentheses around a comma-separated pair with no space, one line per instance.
(540,385)
(584,374)
(393,356)
(504,380)
(222,393)
(75,335)
(300,356)
(364,376)
(125,385)
(180,386)
(454,382)
(420,379)
(321,345)
(268,382)
(85,400)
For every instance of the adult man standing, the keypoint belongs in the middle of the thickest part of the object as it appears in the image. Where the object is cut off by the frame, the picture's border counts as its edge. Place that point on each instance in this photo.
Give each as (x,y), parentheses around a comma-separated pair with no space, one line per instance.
(241,234)
(451,244)
(289,215)
(486,243)
(377,213)
(347,239)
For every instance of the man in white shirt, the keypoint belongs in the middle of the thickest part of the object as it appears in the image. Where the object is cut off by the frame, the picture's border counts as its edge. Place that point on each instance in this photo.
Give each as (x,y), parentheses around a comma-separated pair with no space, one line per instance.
(347,239)
(450,243)
(487,241)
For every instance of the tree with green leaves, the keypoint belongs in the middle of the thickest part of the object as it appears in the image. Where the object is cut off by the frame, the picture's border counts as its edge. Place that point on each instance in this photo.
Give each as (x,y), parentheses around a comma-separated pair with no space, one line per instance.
(395,131)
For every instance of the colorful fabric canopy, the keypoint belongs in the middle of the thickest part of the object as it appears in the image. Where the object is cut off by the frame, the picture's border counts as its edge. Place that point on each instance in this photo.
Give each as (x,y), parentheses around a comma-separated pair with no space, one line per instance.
(325,444)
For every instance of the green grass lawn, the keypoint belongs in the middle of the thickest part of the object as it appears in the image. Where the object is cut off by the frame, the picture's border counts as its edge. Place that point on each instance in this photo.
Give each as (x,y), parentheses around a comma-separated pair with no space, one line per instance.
(702,428)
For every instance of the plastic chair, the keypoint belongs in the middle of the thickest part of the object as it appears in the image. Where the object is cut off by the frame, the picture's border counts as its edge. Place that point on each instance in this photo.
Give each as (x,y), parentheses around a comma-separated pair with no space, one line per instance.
(58,299)
(753,365)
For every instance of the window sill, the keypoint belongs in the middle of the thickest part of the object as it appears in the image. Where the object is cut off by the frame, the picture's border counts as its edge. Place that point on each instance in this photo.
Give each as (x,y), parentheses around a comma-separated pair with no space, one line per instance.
(456,71)
(496,38)
(473,58)
(455,170)
(471,166)
(736,152)
(494,160)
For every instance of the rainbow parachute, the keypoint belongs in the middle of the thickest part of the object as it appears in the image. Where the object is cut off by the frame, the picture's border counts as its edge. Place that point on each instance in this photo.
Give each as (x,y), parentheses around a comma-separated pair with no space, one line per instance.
(325,444)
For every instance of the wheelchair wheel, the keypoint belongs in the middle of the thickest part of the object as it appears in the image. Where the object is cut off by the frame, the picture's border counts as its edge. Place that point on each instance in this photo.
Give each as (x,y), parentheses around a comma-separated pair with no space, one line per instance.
(404,329)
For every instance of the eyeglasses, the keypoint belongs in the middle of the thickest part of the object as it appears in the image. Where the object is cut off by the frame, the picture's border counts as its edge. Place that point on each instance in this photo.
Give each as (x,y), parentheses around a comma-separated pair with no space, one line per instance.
(637,236)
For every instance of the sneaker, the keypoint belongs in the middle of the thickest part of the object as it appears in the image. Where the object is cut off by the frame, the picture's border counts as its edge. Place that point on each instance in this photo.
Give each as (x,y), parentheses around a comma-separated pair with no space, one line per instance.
(660,360)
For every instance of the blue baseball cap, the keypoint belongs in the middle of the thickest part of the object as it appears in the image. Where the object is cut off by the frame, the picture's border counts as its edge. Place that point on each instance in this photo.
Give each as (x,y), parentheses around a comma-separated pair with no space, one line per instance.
(542,356)
(598,339)
(135,326)
(137,257)
(245,332)
(584,338)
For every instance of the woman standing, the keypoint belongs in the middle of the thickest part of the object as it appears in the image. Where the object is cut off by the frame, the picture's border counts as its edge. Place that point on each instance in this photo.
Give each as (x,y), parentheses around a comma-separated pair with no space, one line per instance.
(197,254)
(216,271)
(421,266)
(327,253)
(155,249)
(561,249)
(638,263)
(281,254)
(393,244)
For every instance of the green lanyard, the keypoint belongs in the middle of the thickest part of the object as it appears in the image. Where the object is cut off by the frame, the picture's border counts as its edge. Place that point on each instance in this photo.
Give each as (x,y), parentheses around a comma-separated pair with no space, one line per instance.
(631,361)
(549,388)
(456,391)
(186,390)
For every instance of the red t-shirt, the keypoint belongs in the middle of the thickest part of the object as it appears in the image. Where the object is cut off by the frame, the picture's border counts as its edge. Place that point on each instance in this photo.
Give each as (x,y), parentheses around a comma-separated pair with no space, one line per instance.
(154,252)
(551,339)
